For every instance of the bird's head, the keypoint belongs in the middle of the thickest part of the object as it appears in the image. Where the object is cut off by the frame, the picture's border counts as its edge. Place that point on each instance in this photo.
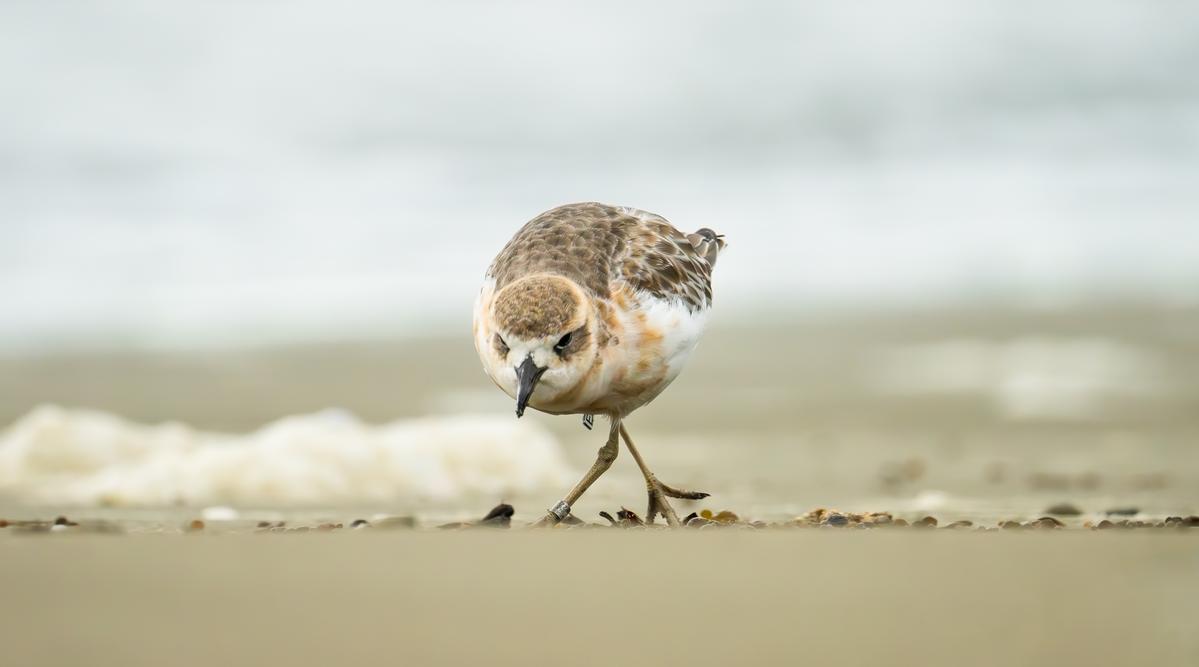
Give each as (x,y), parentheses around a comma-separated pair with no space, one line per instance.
(538,339)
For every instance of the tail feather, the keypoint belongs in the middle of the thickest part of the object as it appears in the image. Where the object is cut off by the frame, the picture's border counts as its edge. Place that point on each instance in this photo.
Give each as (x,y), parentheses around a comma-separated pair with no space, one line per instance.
(707,243)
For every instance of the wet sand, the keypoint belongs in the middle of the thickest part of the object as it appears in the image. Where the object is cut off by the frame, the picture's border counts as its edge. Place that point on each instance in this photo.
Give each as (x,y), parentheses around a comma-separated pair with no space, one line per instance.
(824,412)
(603,598)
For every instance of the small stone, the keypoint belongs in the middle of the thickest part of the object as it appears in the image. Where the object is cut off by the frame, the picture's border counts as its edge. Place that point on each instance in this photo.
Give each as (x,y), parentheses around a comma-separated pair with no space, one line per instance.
(1046,522)
(926,522)
(1122,511)
(960,524)
(360,523)
(836,520)
(195,525)
(500,516)
(900,523)
(1010,525)
(1104,525)
(63,521)
(3,523)
(629,519)
(1063,509)
(264,524)
(328,527)
(696,521)
(1191,521)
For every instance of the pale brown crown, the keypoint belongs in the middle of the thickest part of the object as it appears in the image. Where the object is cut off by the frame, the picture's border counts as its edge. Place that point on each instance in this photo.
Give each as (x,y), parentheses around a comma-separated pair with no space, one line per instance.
(538,306)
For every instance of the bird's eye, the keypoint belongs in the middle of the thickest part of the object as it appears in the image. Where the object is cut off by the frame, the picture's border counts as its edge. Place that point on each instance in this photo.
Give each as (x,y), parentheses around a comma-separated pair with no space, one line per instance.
(500,345)
(562,343)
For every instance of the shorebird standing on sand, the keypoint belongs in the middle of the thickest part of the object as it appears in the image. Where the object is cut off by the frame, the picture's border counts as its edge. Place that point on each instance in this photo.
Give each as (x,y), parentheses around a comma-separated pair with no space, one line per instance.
(593,309)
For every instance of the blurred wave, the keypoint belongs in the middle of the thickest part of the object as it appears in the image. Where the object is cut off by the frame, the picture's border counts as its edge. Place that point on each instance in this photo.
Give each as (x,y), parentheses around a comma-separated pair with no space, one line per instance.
(82,457)
(241,172)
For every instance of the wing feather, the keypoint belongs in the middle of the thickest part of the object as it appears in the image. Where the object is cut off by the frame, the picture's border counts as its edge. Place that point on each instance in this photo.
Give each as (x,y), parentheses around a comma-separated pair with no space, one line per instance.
(599,246)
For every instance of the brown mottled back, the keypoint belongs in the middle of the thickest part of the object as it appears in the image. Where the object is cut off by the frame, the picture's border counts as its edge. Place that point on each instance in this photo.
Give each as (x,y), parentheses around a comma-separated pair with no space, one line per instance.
(596,245)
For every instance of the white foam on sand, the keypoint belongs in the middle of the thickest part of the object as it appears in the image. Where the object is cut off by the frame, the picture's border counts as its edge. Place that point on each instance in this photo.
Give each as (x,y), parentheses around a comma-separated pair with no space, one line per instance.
(84,457)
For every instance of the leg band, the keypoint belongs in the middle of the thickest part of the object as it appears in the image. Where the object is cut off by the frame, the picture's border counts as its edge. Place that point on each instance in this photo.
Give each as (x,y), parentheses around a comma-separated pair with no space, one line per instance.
(560,510)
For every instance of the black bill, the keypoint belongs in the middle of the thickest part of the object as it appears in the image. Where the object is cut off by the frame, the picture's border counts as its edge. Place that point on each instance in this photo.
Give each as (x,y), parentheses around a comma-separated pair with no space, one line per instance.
(527,375)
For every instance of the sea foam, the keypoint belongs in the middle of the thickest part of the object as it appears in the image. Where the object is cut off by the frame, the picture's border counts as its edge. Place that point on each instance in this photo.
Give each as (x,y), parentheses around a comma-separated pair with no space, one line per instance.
(86,457)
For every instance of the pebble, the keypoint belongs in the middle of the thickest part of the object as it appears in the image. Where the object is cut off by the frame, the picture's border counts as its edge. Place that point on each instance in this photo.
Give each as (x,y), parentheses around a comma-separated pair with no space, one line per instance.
(629,519)
(1063,509)
(500,516)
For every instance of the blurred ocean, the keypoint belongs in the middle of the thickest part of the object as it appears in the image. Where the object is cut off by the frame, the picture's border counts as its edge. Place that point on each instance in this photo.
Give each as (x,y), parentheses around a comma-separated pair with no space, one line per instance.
(245,172)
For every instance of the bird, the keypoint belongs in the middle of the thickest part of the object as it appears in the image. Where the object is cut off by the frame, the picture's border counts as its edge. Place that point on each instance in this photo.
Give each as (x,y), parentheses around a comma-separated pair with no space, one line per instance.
(594,309)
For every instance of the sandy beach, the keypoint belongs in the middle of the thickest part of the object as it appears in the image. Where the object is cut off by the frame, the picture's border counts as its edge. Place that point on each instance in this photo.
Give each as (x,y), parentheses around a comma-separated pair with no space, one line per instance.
(945,401)
(600,598)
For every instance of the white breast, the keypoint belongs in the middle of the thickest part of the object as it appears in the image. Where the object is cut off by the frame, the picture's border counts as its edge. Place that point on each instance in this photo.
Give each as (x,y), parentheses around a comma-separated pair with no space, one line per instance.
(657,337)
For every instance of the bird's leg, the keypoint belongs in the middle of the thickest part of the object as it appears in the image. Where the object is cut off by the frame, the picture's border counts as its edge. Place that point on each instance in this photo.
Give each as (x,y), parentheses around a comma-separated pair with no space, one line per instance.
(603,461)
(657,490)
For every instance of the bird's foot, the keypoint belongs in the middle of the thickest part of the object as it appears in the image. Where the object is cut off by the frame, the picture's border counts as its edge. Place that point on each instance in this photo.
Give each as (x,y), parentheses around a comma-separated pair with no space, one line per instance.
(658,493)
